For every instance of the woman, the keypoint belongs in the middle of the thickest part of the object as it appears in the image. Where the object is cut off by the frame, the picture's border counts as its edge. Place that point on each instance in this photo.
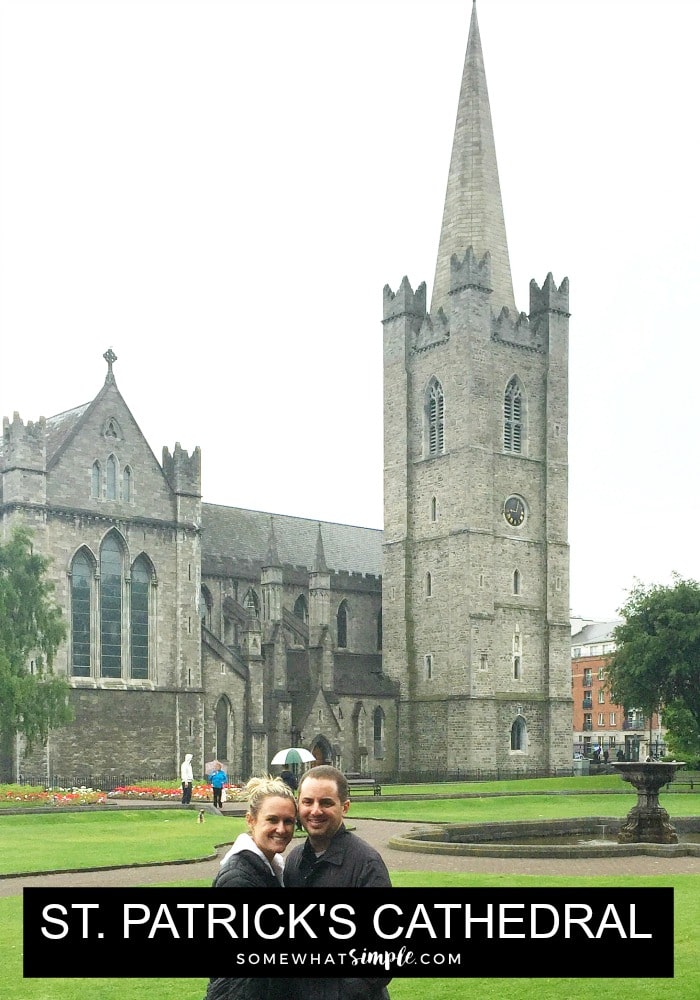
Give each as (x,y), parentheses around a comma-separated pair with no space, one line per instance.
(217,780)
(255,862)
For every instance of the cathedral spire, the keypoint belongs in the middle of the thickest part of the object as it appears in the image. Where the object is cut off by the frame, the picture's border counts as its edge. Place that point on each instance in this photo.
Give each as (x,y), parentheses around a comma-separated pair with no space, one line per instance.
(320,557)
(473,214)
(272,558)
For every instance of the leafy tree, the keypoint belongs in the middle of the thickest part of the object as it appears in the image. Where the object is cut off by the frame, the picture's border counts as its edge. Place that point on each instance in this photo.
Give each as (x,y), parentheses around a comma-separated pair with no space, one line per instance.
(656,663)
(32,702)
(683,736)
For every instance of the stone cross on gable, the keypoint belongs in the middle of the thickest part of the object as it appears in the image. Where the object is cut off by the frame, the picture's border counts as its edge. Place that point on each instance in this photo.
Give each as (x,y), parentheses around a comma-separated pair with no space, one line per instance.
(110,357)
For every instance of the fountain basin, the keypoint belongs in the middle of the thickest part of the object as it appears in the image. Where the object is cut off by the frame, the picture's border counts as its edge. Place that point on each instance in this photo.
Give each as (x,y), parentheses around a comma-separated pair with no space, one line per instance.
(501,839)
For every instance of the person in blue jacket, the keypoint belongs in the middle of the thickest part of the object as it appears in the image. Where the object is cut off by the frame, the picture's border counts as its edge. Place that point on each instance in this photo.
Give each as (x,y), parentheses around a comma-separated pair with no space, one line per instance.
(217,780)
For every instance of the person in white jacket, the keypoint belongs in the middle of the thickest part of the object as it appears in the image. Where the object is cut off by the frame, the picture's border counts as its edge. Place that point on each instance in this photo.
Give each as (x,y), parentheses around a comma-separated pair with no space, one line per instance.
(186,777)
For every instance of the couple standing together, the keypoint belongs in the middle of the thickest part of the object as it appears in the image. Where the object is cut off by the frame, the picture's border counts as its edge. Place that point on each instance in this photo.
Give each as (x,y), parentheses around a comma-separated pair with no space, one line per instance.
(331,858)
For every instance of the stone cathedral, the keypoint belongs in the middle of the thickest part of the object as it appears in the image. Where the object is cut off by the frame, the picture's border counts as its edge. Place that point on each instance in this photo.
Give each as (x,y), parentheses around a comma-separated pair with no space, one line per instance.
(442,642)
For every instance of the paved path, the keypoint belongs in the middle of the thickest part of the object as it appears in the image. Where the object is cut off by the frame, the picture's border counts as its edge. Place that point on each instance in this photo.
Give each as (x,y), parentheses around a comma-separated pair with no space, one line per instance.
(378,833)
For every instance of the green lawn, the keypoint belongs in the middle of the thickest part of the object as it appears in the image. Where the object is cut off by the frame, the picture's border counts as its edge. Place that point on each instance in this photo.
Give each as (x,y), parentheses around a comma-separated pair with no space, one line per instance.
(64,840)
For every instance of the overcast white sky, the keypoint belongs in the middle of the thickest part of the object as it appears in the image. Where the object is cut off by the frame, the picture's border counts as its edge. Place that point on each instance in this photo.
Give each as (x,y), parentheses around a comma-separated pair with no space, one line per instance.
(220,189)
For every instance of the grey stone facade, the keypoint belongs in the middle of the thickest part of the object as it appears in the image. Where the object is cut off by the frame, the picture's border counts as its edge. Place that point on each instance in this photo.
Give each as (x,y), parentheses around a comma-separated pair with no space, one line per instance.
(441,642)
(476,610)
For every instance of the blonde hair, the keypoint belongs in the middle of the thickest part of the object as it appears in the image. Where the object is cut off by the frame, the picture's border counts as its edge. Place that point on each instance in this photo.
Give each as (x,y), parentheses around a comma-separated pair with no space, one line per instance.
(257,790)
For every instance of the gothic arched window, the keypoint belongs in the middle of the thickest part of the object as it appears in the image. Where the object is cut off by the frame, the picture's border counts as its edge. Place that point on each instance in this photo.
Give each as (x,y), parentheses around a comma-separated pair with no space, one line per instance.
(435,418)
(378,719)
(96,481)
(126,485)
(301,609)
(342,625)
(111,478)
(141,578)
(81,577)
(205,605)
(111,603)
(222,715)
(518,734)
(513,417)
(516,581)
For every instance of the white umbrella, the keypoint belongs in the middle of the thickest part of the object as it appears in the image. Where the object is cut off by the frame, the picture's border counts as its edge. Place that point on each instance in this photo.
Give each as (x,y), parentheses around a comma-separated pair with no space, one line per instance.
(293,755)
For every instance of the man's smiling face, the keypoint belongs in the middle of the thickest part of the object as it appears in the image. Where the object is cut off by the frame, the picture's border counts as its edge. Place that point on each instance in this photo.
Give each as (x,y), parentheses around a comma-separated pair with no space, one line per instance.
(320,810)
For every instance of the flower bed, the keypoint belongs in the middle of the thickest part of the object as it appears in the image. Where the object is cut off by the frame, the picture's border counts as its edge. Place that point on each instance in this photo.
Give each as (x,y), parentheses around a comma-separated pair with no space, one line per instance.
(18,796)
(201,792)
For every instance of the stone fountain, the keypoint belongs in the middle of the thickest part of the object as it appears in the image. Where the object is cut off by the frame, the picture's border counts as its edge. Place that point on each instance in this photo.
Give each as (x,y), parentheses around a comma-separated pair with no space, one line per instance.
(647,822)
(646,830)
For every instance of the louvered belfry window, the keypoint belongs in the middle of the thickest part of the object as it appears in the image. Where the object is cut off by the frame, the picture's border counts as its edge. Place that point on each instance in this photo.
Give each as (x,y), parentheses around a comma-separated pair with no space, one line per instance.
(436,419)
(513,418)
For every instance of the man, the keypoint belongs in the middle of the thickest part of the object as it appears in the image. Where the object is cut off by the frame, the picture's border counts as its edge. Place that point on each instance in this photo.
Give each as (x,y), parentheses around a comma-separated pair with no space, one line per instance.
(333,858)
(186,779)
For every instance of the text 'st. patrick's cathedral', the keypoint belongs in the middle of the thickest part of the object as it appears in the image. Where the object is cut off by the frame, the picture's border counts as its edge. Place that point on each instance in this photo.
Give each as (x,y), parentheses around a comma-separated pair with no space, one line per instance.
(440,644)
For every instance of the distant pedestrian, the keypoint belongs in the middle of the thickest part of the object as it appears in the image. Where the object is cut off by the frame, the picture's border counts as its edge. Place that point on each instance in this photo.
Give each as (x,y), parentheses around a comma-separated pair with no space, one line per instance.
(217,780)
(620,755)
(186,779)
(606,756)
(289,778)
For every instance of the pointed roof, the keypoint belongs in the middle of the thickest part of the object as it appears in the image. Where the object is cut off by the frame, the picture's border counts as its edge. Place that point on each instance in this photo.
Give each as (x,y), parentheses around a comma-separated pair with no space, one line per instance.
(272,558)
(320,557)
(473,214)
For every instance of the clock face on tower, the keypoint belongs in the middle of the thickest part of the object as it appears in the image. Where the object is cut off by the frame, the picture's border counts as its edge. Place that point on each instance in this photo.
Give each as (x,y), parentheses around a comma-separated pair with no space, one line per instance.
(514,511)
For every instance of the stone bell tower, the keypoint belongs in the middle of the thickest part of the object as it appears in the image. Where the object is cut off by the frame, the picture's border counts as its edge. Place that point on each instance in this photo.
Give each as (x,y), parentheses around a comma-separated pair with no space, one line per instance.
(476,562)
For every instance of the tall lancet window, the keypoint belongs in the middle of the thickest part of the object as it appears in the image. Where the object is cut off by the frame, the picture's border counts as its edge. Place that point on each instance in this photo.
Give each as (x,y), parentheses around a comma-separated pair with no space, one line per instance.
(435,418)
(96,481)
(342,625)
(111,597)
(111,478)
(141,577)
(81,604)
(513,417)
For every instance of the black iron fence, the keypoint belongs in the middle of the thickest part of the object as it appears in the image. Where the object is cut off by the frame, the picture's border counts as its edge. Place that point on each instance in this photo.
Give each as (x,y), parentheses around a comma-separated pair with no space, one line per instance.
(439,775)
(108,782)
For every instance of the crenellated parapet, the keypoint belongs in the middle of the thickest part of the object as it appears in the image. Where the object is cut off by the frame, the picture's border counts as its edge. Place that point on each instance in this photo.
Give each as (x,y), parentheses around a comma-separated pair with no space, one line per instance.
(470,272)
(24,445)
(518,331)
(183,471)
(405,302)
(364,583)
(434,330)
(549,298)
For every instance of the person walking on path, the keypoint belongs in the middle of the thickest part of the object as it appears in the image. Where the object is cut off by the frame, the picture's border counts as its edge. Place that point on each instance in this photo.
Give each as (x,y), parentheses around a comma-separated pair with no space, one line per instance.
(186,779)
(217,780)
(333,858)
(255,862)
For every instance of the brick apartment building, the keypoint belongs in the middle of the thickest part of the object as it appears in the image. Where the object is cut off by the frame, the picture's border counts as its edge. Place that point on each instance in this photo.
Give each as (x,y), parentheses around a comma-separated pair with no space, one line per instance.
(597,722)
